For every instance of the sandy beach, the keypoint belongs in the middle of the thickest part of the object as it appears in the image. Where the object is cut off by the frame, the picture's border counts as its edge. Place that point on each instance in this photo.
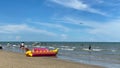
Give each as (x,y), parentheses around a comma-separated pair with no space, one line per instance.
(19,60)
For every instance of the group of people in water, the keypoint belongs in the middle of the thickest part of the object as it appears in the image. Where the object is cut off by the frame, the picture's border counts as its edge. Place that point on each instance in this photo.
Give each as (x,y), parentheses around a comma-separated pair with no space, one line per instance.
(22,46)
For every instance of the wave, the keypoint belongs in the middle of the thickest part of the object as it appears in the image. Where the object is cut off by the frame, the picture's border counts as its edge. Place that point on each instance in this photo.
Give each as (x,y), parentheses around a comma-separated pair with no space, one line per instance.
(68,49)
(73,47)
(51,47)
(36,46)
(64,46)
(86,49)
(14,45)
(97,49)
(113,50)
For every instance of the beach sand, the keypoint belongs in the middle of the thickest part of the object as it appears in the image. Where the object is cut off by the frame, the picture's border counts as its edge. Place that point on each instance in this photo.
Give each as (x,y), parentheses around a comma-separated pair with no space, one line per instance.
(19,60)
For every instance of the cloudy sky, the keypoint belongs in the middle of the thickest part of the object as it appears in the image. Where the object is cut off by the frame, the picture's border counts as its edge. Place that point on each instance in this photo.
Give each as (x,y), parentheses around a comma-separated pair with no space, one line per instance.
(60,20)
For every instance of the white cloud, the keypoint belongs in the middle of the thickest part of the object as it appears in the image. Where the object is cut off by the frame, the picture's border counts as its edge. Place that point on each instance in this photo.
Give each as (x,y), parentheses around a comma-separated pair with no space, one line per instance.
(109,29)
(13,37)
(12,28)
(18,37)
(100,1)
(53,25)
(98,30)
(77,21)
(22,28)
(78,5)
(63,36)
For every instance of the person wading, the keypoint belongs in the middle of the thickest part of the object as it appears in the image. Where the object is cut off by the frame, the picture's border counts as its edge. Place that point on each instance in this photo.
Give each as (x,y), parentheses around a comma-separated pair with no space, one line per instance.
(89,47)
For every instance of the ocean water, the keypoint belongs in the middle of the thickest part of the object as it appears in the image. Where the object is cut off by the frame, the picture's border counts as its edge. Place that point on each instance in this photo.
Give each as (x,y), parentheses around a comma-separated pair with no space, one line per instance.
(105,54)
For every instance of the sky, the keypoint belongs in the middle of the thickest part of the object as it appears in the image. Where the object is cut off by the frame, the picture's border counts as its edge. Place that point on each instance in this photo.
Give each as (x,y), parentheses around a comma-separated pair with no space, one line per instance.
(60,20)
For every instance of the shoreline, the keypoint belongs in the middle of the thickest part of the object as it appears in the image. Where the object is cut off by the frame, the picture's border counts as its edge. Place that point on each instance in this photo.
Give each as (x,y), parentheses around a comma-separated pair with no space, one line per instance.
(19,60)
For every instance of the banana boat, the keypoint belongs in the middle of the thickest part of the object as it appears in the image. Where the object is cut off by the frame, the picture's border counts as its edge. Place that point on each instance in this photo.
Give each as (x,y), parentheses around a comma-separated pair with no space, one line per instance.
(41,52)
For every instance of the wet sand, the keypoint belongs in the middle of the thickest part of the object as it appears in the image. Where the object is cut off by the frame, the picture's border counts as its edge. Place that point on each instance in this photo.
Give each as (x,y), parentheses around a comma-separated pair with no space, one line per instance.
(19,60)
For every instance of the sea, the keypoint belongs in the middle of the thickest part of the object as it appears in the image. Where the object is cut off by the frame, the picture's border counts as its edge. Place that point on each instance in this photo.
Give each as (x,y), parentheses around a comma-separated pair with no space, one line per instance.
(106,54)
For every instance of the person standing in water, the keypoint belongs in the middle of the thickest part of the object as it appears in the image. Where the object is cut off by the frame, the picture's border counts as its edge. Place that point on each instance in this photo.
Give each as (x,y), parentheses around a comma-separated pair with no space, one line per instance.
(22,45)
(89,47)
(8,44)
(1,46)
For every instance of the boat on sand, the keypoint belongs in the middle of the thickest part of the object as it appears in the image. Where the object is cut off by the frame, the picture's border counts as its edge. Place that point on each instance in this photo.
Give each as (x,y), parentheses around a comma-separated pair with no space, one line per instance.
(41,52)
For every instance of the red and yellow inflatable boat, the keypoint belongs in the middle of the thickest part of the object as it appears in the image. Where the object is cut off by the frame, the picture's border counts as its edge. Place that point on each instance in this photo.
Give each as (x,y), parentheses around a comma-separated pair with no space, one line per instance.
(41,52)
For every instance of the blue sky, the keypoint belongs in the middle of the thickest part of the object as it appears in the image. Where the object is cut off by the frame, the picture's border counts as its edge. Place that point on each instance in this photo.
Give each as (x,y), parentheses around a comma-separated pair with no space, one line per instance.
(60,20)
